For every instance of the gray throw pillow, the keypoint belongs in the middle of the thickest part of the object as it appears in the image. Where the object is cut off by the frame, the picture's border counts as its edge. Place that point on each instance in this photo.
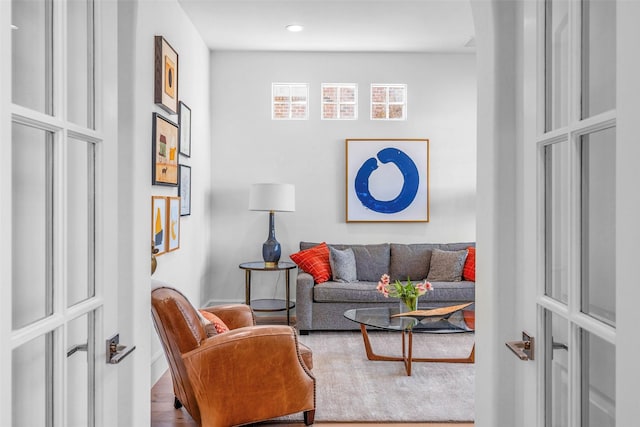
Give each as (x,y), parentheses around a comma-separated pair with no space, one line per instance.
(446,266)
(343,265)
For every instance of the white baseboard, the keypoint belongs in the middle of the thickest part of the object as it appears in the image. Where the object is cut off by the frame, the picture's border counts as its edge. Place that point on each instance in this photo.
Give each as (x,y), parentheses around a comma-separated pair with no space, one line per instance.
(159,366)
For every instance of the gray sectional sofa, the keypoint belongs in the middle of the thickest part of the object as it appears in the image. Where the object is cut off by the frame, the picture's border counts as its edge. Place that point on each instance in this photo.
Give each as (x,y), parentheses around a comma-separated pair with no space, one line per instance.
(320,306)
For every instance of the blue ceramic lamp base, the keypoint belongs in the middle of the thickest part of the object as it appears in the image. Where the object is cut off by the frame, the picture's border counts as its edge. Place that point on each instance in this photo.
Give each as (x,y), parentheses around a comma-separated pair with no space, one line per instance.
(271,250)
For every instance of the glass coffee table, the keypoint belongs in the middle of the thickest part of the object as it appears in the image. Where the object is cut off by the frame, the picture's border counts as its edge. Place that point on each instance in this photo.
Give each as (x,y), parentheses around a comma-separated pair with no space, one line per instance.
(441,320)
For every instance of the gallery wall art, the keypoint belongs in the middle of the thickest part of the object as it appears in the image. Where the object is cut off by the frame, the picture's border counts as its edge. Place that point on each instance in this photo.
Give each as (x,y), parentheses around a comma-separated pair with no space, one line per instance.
(165,224)
(165,151)
(387,180)
(165,75)
(173,223)
(184,121)
(159,224)
(184,190)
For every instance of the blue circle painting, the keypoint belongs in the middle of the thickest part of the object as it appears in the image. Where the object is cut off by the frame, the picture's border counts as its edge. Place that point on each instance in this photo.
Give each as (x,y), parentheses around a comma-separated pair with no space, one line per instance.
(409,187)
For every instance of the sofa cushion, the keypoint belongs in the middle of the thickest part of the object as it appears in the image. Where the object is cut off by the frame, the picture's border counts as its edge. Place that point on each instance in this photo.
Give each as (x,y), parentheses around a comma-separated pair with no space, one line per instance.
(455,246)
(365,292)
(410,261)
(446,266)
(314,261)
(343,265)
(372,261)
(469,269)
(449,291)
(347,292)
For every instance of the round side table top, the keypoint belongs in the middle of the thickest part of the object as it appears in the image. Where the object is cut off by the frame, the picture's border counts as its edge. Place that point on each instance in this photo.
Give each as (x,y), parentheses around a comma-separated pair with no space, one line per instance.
(260,265)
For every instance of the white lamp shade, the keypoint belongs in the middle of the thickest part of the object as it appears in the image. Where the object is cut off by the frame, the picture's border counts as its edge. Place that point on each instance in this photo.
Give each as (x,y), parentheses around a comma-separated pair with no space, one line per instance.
(272,197)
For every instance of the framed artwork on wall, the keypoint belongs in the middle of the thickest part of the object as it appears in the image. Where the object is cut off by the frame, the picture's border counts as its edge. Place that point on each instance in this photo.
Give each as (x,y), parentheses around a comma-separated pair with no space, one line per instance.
(184,190)
(159,224)
(165,151)
(173,223)
(387,180)
(165,75)
(184,121)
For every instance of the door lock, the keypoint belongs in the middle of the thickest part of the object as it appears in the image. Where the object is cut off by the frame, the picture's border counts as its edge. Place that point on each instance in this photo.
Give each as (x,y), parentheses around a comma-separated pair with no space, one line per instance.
(523,349)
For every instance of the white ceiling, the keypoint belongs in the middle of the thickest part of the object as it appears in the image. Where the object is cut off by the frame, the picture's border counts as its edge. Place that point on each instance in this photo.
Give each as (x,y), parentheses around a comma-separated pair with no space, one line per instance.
(334,25)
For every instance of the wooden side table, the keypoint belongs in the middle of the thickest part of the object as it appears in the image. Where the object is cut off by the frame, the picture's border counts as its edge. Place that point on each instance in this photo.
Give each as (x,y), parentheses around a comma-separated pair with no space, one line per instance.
(268,304)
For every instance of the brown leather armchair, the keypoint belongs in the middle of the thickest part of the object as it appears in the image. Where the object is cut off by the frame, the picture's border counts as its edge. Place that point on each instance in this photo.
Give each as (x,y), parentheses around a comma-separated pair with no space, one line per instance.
(249,374)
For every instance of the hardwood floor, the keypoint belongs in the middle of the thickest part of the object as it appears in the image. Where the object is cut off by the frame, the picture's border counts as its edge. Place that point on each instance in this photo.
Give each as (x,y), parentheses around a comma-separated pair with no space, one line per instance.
(164,415)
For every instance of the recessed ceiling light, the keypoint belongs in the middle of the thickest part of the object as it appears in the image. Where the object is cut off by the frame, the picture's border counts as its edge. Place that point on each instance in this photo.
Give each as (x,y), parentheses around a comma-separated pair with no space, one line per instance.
(294,28)
(13,27)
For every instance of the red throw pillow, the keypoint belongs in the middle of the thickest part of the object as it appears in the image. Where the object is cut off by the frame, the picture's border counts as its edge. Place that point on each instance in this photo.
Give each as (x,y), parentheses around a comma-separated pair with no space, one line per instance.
(314,261)
(469,269)
(217,322)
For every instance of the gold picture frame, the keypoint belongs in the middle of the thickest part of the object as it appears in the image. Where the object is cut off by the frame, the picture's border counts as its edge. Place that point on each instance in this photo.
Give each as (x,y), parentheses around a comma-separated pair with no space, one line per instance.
(173,223)
(387,180)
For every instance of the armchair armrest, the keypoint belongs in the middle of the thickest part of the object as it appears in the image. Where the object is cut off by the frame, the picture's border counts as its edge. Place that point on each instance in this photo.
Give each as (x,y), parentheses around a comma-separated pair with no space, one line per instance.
(262,364)
(233,315)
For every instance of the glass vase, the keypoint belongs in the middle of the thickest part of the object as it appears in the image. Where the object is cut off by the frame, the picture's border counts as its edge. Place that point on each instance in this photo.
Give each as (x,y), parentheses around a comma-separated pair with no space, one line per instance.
(408,304)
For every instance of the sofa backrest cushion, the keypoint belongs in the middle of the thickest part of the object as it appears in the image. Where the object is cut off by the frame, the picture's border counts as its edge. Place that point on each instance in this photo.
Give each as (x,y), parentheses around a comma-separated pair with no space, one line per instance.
(372,261)
(410,261)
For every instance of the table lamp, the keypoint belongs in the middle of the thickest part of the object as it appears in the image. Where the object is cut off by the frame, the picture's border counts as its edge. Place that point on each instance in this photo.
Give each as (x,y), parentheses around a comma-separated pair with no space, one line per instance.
(272,198)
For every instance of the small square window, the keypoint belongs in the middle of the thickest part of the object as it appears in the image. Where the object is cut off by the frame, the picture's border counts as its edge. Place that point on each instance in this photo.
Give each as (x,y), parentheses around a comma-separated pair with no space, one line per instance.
(388,102)
(339,101)
(289,101)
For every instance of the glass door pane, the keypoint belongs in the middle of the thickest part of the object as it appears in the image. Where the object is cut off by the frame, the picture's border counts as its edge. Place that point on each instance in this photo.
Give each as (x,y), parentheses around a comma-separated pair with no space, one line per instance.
(598,382)
(556,182)
(81,221)
(80,372)
(32,54)
(556,64)
(556,370)
(598,194)
(598,56)
(80,63)
(32,237)
(32,383)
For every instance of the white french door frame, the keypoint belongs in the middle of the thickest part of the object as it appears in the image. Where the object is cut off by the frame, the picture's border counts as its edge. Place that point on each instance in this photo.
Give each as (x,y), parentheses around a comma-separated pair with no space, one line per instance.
(100,308)
(506,390)
(569,134)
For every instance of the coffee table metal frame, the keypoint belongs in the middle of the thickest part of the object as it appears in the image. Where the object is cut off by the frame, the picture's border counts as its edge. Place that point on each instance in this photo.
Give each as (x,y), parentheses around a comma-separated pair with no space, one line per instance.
(405,325)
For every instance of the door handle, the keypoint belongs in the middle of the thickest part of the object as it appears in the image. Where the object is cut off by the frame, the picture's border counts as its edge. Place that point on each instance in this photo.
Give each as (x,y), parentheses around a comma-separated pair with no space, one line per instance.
(559,346)
(77,347)
(523,349)
(117,352)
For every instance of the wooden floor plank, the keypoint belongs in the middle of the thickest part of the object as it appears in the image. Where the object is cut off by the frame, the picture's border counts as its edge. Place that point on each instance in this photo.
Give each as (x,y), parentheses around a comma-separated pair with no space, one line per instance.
(163,413)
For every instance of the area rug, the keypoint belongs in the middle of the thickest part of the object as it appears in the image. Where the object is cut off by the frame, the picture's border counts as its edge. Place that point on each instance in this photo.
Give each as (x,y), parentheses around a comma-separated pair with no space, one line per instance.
(351,388)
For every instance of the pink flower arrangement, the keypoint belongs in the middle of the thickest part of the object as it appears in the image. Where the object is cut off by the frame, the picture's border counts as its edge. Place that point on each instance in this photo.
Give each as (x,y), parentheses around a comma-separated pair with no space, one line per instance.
(404,292)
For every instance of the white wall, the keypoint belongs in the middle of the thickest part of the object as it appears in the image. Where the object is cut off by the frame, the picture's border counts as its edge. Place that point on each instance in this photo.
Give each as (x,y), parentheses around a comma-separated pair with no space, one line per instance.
(188,267)
(249,147)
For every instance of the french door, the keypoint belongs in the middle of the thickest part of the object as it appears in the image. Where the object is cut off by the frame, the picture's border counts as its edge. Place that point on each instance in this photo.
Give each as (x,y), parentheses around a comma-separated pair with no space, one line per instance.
(58,148)
(577,172)
(571,143)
